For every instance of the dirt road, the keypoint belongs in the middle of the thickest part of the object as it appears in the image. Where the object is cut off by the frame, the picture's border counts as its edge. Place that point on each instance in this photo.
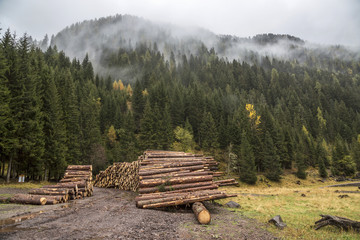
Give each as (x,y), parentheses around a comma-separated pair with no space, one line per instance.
(111,214)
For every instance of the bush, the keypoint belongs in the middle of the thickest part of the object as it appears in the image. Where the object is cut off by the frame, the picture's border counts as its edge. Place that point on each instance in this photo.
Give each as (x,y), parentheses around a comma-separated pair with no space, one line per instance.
(344,167)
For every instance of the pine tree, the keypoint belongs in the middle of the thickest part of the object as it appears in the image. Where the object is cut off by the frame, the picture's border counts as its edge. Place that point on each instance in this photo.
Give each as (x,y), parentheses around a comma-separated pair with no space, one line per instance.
(53,128)
(271,159)
(31,136)
(137,104)
(300,162)
(321,160)
(147,131)
(208,132)
(355,153)
(166,130)
(89,121)
(6,127)
(71,118)
(247,171)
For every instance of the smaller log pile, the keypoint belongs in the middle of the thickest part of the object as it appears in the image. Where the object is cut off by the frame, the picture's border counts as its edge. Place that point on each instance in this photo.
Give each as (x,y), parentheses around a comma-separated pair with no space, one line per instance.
(76,184)
(176,178)
(119,175)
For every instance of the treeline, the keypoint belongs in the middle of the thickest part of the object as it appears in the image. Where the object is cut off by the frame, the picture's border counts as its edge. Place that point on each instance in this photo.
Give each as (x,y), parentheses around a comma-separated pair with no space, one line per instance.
(50,111)
(264,117)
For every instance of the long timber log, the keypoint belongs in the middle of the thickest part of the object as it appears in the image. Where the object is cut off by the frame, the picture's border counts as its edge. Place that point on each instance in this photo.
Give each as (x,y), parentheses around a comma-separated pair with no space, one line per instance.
(175,187)
(176,180)
(167,170)
(28,199)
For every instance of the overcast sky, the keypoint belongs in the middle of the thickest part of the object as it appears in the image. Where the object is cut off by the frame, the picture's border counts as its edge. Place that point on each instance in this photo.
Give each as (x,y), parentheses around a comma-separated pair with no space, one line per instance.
(318,21)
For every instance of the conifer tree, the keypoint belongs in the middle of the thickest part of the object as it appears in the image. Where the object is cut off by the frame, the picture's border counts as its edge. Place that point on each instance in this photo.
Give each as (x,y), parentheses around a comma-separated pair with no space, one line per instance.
(271,159)
(53,128)
(247,171)
(137,104)
(208,132)
(71,119)
(147,131)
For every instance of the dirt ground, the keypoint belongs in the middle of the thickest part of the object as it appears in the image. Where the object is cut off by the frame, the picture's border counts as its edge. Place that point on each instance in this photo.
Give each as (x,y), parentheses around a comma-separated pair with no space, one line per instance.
(112,214)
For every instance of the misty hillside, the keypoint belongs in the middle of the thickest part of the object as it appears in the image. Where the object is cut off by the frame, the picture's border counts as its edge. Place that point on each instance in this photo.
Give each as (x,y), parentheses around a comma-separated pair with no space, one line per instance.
(275,101)
(102,37)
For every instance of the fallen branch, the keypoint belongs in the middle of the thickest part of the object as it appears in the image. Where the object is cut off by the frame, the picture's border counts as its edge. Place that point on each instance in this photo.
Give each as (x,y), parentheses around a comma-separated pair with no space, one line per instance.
(340,222)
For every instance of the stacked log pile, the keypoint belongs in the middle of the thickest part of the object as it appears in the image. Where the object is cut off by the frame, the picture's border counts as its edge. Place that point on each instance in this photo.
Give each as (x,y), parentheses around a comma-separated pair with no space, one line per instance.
(176,178)
(119,175)
(76,184)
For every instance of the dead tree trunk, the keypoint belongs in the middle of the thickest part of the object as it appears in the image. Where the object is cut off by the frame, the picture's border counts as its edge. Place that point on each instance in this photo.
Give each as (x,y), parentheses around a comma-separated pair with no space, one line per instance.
(340,222)
(9,170)
(201,213)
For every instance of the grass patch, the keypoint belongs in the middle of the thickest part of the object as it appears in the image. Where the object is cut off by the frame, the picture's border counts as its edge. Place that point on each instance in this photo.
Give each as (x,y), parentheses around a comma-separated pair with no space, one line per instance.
(298,212)
(26,185)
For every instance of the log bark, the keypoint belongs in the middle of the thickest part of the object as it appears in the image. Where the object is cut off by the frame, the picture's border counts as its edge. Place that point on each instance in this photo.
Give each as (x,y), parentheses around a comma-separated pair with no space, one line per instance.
(177,180)
(340,222)
(201,213)
(171,165)
(80,167)
(167,170)
(185,201)
(149,196)
(49,191)
(178,197)
(174,187)
(28,199)
(176,174)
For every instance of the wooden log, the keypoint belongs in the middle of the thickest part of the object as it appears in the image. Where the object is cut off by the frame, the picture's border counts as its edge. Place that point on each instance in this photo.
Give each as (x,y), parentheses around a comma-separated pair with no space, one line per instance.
(76,179)
(174,193)
(177,197)
(201,213)
(176,174)
(228,184)
(49,191)
(225,181)
(185,201)
(171,165)
(167,170)
(340,222)
(28,199)
(174,187)
(68,185)
(80,167)
(176,180)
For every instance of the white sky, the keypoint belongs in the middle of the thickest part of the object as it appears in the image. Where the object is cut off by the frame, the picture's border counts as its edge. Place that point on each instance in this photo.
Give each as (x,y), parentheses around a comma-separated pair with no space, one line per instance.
(318,21)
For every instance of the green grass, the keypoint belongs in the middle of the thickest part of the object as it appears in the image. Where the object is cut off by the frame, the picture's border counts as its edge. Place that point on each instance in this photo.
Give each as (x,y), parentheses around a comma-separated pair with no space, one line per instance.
(26,185)
(299,213)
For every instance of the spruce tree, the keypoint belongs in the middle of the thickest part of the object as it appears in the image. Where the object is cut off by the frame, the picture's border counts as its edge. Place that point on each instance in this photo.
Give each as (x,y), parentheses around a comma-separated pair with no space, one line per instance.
(247,170)
(147,131)
(321,160)
(271,159)
(71,118)
(30,134)
(137,104)
(208,132)
(167,133)
(54,128)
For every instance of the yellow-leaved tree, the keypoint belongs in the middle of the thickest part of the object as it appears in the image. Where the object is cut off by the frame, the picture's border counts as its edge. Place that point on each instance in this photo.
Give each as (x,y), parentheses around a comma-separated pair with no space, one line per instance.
(254,118)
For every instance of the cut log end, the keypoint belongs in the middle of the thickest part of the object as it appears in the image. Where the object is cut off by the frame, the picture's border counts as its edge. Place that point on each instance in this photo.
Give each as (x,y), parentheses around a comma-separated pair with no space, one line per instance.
(201,213)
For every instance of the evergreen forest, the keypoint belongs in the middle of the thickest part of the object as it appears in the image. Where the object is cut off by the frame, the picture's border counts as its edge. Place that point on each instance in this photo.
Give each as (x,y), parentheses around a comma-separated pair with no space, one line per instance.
(256,113)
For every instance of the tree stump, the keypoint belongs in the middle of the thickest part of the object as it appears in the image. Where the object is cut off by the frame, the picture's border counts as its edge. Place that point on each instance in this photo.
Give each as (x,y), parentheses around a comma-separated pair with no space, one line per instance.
(201,213)
(340,222)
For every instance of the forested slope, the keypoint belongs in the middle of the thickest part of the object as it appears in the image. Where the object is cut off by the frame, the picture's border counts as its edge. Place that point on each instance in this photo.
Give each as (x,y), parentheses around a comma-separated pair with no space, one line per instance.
(271,112)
